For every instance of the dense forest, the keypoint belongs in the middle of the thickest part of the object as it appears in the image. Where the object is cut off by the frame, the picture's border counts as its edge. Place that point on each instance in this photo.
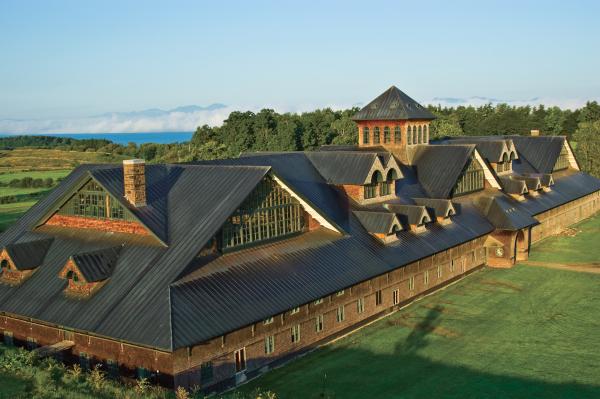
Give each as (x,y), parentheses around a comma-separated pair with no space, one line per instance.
(268,130)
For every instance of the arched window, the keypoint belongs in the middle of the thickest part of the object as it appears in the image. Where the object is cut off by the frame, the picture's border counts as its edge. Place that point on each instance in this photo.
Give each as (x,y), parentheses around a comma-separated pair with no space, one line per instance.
(385,187)
(420,135)
(409,135)
(366,138)
(3,264)
(386,134)
(392,175)
(71,275)
(376,137)
(371,188)
(425,134)
(414,135)
(397,135)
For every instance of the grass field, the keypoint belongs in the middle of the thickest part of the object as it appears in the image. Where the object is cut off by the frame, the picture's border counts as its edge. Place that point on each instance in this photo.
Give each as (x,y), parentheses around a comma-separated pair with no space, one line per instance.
(33,159)
(523,332)
(582,248)
(9,213)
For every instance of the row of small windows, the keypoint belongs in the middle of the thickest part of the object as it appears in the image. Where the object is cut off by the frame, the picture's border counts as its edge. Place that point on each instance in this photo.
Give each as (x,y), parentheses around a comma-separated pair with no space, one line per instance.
(415,135)
(506,164)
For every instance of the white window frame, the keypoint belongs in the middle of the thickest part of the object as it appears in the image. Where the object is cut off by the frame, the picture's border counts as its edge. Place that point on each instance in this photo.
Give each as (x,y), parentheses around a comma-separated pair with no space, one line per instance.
(396,296)
(340,314)
(295,310)
(242,351)
(319,323)
(269,344)
(426,277)
(360,305)
(340,293)
(268,321)
(411,283)
(295,334)
(318,301)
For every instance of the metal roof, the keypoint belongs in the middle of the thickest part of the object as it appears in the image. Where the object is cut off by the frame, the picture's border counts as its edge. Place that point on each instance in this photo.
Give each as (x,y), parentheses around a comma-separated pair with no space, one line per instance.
(378,222)
(29,254)
(513,186)
(393,104)
(438,167)
(541,152)
(436,206)
(492,148)
(339,167)
(410,214)
(504,213)
(97,265)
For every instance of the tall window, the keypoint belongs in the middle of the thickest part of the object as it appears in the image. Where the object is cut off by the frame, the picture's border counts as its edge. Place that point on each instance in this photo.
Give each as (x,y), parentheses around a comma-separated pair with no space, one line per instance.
(360,305)
(439,271)
(376,137)
(386,134)
(414,135)
(370,190)
(420,135)
(268,213)
(425,134)
(378,298)
(92,201)
(563,160)
(471,180)
(411,283)
(269,344)
(505,165)
(339,314)
(366,137)
(296,333)
(240,360)
(319,323)
(409,135)
(397,135)
(426,277)
(396,297)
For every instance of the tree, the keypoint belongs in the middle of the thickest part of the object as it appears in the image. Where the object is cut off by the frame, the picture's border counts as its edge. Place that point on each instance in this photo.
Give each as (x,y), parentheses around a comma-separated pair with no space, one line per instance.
(590,113)
(445,126)
(554,121)
(587,150)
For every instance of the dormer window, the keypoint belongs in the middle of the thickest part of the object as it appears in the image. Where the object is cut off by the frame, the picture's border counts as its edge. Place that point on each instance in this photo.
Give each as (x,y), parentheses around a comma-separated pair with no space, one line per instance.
(87,272)
(471,180)
(92,201)
(4,264)
(18,261)
(563,160)
(370,190)
(505,165)
(269,212)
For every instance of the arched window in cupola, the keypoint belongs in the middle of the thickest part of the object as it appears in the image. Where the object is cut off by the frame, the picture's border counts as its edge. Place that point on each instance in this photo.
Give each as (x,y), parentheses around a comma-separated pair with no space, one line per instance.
(397,135)
(420,135)
(386,135)
(376,135)
(409,135)
(366,138)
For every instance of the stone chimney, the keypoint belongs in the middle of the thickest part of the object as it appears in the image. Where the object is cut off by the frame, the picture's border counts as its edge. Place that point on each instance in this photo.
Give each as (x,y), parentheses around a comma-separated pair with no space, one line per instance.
(535,132)
(134,176)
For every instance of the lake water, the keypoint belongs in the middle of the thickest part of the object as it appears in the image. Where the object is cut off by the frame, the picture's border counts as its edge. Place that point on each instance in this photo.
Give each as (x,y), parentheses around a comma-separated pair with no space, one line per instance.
(124,138)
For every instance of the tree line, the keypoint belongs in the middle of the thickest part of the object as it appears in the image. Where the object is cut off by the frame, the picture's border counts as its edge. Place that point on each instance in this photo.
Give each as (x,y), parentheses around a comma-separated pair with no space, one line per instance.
(268,130)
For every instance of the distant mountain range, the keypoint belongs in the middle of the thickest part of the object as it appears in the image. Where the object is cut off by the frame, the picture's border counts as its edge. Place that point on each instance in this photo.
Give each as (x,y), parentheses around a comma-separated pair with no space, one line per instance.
(155,112)
(478,100)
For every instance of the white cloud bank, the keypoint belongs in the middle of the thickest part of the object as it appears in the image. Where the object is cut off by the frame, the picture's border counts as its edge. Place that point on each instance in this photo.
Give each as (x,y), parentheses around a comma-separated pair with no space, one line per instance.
(188,118)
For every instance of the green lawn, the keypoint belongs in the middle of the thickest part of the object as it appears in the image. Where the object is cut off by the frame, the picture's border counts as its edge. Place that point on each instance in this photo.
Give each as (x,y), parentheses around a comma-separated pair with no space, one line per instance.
(6,177)
(9,213)
(523,332)
(582,248)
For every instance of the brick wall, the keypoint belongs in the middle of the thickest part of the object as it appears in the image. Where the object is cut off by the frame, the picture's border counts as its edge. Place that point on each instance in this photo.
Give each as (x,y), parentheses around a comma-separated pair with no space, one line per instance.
(556,220)
(220,351)
(117,226)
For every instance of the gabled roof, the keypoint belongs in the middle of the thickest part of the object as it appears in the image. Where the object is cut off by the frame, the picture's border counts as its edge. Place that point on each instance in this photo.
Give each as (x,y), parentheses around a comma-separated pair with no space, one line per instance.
(393,104)
(513,186)
(339,167)
(97,265)
(492,148)
(378,222)
(541,152)
(437,207)
(504,214)
(410,214)
(438,167)
(29,254)
(532,182)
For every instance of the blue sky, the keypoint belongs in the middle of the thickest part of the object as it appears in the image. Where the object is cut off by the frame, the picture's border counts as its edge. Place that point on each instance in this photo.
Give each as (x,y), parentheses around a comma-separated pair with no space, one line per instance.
(73,59)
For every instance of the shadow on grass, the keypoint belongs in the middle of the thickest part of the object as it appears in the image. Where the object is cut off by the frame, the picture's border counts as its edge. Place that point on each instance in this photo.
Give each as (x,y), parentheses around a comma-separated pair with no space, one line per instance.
(348,372)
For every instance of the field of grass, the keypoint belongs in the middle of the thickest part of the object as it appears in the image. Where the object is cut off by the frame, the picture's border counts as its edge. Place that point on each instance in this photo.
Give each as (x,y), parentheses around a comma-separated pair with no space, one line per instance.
(523,332)
(582,248)
(6,177)
(33,159)
(9,213)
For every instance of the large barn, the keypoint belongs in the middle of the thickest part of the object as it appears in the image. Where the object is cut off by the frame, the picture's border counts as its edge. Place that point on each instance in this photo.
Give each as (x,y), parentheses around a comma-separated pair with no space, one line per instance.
(206,274)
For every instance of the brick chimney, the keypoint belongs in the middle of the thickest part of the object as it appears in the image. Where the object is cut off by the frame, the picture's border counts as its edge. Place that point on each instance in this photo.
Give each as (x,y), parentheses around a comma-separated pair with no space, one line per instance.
(535,132)
(134,176)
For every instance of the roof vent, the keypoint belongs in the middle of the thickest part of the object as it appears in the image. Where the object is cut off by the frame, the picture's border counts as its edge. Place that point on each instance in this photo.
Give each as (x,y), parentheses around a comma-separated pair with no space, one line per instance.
(134,179)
